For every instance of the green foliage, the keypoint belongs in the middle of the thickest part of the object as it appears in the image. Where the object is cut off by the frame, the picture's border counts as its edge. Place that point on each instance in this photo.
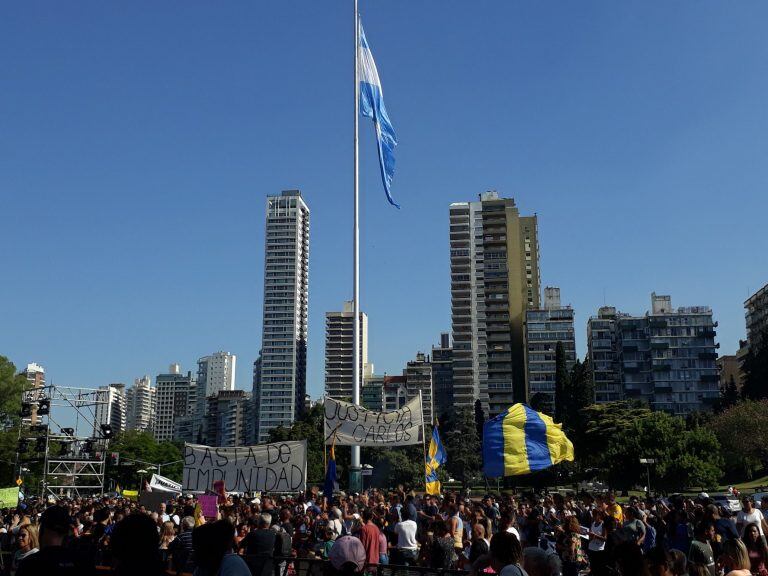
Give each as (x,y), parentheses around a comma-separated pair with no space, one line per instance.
(602,423)
(684,458)
(8,444)
(461,441)
(401,465)
(310,427)
(133,445)
(11,386)
(579,393)
(742,431)
(561,383)
(755,368)
(729,396)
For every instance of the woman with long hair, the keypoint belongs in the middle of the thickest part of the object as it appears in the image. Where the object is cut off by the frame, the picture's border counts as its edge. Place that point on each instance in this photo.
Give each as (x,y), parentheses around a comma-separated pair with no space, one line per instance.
(735,558)
(572,554)
(28,545)
(167,534)
(756,549)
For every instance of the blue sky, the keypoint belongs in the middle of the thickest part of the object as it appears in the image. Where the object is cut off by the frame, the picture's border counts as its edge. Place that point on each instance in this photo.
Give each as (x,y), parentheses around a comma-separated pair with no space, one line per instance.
(139,140)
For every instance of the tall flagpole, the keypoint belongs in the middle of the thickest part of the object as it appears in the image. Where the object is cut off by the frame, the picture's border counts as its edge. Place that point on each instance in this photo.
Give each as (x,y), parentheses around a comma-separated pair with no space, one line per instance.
(355,468)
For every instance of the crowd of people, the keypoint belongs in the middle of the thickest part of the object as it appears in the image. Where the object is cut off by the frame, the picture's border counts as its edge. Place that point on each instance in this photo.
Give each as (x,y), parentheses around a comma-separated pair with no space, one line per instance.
(302,535)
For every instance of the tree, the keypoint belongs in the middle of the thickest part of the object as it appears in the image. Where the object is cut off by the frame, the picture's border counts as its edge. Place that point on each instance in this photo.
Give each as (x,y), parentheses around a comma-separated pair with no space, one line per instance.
(683,458)
(479,419)
(755,368)
(729,396)
(579,393)
(742,431)
(463,446)
(539,402)
(11,386)
(310,427)
(137,447)
(561,383)
(602,423)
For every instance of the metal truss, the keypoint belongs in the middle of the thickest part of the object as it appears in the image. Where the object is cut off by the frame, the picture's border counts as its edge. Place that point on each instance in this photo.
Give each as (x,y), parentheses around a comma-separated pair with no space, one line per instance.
(73,470)
(75,476)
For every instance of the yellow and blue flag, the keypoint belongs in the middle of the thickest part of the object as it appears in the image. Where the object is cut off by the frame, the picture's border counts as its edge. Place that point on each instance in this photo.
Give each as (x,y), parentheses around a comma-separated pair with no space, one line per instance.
(436,457)
(521,441)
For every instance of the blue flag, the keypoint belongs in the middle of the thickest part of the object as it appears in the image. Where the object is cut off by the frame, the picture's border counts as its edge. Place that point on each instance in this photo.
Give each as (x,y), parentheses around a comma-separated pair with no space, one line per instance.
(330,474)
(372,106)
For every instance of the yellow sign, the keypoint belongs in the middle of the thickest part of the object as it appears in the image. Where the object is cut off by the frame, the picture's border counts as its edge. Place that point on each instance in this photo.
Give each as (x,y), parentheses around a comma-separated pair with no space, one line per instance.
(19,482)
(131,494)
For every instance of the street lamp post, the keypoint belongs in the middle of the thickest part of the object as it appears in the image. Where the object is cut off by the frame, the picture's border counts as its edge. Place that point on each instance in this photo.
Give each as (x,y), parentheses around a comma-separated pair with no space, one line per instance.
(141,478)
(648,462)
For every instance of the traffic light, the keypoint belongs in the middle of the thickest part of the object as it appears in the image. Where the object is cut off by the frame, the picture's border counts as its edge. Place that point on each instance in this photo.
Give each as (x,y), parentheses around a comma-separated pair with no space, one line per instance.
(106,431)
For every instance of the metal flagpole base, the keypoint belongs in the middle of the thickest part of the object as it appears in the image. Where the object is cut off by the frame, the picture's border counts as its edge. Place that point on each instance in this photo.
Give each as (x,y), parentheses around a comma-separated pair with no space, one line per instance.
(355,479)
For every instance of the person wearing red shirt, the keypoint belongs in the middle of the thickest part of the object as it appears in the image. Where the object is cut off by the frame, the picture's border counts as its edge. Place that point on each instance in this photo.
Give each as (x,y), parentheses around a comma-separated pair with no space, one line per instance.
(369,536)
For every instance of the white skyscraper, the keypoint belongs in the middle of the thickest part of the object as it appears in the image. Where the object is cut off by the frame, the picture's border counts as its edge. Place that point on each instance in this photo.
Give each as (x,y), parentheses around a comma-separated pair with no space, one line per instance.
(216,372)
(140,405)
(175,399)
(339,328)
(113,412)
(279,392)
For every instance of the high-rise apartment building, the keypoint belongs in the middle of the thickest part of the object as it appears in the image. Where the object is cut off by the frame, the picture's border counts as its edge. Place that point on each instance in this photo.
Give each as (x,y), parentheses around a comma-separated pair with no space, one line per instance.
(603,353)
(339,332)
(756,316)
(544,328)
(226,418)
(175,398)
(140,405)
(667,358)
(113,411)
(442,375)
(279,397)
(35,376)
(494,280)
(215,373)
(418,380)
(372,393)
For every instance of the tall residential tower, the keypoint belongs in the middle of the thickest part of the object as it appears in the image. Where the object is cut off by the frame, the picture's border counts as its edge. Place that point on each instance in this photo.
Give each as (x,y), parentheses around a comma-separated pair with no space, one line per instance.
(339,329)
(279,393)
(494,280)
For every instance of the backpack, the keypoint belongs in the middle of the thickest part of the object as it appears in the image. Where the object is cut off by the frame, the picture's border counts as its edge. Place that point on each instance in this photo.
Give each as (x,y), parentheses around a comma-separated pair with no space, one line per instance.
(285,544)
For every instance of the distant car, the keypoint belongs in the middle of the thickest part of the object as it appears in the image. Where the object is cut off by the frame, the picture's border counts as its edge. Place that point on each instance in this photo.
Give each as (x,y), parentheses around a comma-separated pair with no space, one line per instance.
(728,502)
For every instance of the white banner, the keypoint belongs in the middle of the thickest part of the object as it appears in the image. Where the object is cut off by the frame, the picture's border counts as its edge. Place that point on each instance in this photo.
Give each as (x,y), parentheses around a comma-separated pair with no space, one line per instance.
(164,484)
(355,426)
(280,467)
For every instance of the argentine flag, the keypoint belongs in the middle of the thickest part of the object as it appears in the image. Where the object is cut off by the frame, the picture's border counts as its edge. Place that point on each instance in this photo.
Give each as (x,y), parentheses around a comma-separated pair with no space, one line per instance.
(372,106)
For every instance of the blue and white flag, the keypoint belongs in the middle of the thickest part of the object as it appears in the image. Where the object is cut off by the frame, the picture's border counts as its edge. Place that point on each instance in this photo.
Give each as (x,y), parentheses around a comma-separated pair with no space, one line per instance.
(372,106)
